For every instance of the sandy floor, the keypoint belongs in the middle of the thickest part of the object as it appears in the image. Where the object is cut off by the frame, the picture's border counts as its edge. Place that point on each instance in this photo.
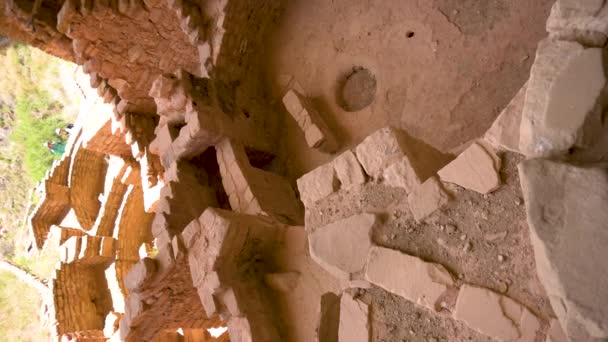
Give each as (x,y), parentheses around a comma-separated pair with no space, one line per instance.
(444,68)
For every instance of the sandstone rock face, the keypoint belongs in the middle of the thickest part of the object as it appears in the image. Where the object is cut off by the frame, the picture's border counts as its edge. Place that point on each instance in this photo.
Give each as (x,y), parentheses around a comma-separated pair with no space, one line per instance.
(341,247)
(427,198)
(407,276)
(504,133)
(354,320)
(564,100)
(566,207)
(583,21)
(495,315)
(475,169)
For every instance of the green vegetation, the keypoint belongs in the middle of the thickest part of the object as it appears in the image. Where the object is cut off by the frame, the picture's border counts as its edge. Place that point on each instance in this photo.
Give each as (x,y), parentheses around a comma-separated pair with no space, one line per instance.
(19,311)
(33,102)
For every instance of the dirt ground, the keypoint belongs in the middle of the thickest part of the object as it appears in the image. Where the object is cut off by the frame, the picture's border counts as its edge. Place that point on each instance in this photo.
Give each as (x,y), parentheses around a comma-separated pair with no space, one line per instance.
(444,71)
(444,68)
(481,239)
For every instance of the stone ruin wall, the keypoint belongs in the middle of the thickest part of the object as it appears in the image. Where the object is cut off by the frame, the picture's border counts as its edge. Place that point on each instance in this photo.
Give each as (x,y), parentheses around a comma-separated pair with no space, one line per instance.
(180,128)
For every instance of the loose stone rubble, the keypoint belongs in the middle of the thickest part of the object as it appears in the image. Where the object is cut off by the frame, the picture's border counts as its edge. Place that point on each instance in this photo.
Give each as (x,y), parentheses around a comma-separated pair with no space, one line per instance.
(173,216)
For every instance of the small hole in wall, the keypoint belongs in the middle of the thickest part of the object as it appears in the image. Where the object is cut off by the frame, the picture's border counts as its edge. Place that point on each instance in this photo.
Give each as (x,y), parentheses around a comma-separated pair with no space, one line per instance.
(194,103)
(246,113)
(410,34)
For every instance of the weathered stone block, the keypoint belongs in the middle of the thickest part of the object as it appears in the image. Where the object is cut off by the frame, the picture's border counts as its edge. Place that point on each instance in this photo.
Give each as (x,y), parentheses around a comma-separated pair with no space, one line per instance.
(565,99)
(341,247)
(317,184)
(566,208)
(475,169)
(407,276)
(354,320)
(495,315)
(504,133)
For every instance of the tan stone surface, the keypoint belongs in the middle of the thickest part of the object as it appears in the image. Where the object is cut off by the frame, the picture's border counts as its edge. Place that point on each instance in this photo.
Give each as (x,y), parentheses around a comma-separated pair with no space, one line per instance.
(317,184)
(379,150)
(348,170)
(354,320)
(341,247)
(504,133)
(495,315)
(474,169)
(311,122)
(555,333)
(401,174)
(407,276)
(243,303)
(427,198)
(255,191)
(298,312)
(566,212)
(583,21)
(563,105)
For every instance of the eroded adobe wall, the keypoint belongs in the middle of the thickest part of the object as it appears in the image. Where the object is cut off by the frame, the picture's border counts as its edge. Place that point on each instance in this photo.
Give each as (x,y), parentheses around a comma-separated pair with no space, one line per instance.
(129,44)
(16,22)
(81,298)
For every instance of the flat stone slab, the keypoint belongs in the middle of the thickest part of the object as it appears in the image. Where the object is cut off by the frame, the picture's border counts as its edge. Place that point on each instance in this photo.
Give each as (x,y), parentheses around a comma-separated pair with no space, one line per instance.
(354,320)
(495,315)
(566,208)
(475,169)
(407,276)
(317,184)
(341,247)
